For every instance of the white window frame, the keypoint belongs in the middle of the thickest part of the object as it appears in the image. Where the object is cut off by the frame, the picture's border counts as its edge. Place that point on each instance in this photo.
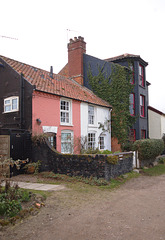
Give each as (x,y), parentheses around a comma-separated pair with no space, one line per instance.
(102,147)
(91,115)
(8,102)
(65,150)
(92,143)
(66,112)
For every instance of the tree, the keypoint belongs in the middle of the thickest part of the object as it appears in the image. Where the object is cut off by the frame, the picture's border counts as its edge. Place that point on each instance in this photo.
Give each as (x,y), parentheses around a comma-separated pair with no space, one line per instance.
(116,90)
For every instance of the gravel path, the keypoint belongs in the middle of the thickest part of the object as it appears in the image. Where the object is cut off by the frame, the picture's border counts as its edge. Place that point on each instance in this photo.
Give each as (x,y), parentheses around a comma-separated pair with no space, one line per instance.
(135,211)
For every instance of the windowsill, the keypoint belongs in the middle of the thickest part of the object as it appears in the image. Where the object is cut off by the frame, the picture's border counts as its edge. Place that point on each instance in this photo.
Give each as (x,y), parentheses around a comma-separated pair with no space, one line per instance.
(92,126)
(67,125)
(11,111)
(142,86)
(142,117)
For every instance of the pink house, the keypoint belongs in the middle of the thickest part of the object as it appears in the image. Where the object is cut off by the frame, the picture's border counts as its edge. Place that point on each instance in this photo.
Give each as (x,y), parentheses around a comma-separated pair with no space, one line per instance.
(37,101)
(62,123)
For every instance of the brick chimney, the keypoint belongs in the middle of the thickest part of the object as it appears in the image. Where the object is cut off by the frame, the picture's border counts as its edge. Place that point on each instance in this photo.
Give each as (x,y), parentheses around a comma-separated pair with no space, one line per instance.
(76,48)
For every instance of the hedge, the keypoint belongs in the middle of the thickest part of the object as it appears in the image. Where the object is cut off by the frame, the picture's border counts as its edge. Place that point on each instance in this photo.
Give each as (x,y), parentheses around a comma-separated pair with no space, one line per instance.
(148,149)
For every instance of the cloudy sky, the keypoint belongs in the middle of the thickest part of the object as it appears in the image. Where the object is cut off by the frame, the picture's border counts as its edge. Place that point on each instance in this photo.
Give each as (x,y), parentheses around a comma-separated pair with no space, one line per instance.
(109,27)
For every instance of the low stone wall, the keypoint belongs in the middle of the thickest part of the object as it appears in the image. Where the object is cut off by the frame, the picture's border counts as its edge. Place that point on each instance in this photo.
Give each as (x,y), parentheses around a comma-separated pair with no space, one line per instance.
(82,165)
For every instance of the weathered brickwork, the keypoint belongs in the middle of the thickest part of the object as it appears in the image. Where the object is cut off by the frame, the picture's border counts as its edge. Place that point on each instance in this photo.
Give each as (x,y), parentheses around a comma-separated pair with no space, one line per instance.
(76,48)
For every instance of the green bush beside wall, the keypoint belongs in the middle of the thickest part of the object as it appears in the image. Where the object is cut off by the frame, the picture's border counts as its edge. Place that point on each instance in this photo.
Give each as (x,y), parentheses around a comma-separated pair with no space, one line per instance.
(148,149)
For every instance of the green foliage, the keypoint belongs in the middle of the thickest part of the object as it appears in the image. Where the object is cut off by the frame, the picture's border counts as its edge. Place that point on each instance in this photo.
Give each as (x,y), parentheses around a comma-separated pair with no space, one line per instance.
(164,140)
(95,151)
(90,151)
(162,160)
(9,208)
(148,149)
(11,198)
(35,165)
(92,181)
(113,159)
(115,89)
(106,152)
(127,146)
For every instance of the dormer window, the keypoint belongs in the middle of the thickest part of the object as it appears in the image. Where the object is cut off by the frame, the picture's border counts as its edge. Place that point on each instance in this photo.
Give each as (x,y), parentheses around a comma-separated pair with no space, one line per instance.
(11,104)
(141,75)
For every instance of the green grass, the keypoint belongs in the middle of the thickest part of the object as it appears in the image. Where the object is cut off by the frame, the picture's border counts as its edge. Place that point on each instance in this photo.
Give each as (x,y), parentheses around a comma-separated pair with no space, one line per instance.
(155,171)
(44,194)
(81,183)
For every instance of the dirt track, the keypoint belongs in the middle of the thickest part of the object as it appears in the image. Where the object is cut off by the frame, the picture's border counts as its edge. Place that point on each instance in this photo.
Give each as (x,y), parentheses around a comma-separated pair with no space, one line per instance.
(136,211)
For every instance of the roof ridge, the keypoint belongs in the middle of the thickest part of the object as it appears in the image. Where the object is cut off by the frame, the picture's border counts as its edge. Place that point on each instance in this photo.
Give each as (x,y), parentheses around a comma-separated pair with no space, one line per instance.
(58,85)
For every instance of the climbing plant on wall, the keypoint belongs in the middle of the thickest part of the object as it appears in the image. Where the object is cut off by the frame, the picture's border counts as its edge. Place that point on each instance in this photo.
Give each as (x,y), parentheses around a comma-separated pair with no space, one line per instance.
(116,90)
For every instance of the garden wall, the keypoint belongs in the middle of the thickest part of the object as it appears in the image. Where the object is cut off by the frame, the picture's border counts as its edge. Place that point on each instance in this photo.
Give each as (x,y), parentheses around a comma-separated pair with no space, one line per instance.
(81,165)
(4,154)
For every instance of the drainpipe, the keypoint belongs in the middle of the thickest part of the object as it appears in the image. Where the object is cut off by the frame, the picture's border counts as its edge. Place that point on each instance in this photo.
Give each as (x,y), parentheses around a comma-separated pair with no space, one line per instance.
(21,101)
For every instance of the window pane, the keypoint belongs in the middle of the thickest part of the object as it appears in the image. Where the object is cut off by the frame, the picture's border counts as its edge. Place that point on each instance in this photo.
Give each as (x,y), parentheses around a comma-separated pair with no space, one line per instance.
(66,143)
(141,76)
(66,136)
(67,117)
(131,98)
(7,101)
(90,115)
(62,117)
(65,111)
(14,104)
(101,142)
(142,106)
(8,108)
(91,140)
(64,105)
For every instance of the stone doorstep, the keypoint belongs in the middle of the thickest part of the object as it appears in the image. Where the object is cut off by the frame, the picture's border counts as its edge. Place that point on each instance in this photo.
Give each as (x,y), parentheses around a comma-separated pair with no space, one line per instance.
(37,186)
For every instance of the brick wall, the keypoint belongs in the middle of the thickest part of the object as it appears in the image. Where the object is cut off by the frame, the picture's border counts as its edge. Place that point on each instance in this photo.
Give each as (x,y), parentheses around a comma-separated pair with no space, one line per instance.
(76,48)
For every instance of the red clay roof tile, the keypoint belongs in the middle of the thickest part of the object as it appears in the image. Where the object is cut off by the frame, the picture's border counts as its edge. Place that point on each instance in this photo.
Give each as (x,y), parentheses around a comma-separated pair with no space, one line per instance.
(59,85)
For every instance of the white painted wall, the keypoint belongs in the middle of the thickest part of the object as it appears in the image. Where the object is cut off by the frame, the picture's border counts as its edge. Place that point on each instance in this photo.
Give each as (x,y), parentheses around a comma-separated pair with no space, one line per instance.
(156,124)
(101,115)
(163,124)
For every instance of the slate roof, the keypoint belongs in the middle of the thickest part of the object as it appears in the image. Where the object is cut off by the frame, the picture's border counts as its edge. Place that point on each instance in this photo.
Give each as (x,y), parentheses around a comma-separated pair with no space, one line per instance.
(58,85)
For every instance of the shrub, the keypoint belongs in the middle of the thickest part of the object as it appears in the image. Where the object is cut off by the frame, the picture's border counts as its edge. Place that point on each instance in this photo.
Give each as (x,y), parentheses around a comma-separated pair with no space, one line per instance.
(162,160)
(164,143)
(128,146)
(106,152)
(11,199)
(148,149)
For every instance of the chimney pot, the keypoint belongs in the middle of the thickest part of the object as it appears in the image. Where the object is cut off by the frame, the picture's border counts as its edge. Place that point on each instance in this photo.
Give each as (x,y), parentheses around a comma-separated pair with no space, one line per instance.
(71,40)
(81,38)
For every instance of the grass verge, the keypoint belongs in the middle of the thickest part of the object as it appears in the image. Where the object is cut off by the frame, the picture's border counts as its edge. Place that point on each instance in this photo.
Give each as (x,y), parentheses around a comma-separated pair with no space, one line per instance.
(155,171)
(101,183)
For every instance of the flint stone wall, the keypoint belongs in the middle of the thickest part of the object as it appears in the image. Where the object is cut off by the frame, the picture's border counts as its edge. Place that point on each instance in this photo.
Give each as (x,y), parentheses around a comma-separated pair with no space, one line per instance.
(81,165)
